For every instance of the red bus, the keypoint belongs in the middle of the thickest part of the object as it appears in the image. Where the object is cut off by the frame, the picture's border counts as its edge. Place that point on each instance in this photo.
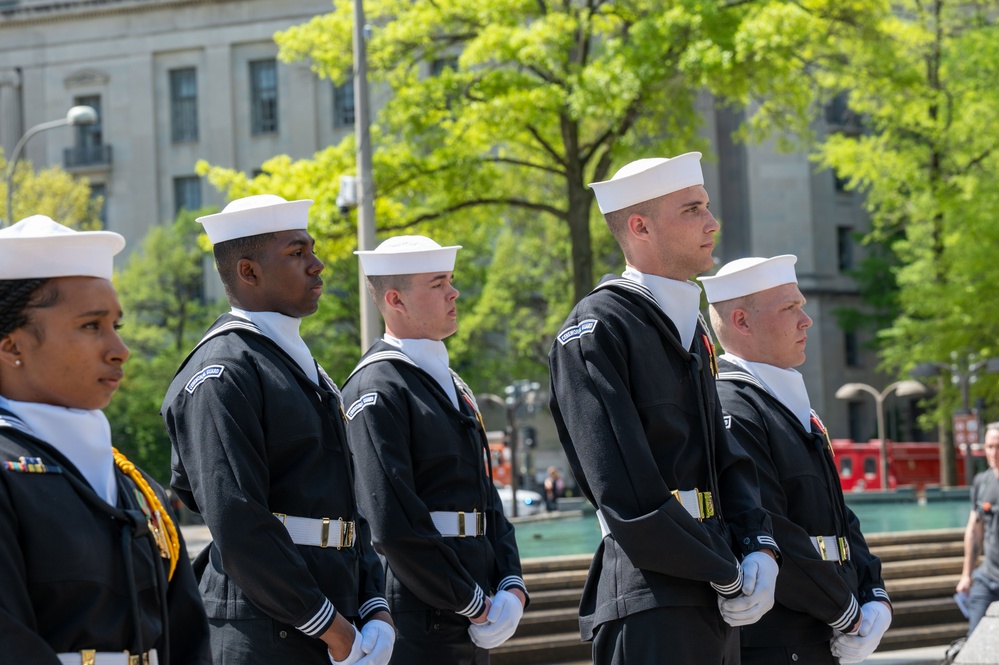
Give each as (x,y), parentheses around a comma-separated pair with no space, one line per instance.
(909,464)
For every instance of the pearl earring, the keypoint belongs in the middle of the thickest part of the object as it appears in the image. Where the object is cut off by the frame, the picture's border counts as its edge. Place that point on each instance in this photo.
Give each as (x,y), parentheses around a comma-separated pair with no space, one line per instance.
(17,363)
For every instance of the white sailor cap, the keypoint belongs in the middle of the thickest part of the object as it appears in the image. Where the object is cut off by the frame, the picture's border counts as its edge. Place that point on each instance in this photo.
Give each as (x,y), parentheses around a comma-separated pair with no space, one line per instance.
(408,255)
(256,215)
(751,275)
(38,247)
(647,179)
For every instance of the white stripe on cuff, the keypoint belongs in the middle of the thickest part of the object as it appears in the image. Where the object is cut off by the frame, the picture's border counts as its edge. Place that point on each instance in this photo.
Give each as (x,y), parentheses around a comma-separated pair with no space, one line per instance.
(843,624)
(318,622)
(729,588)
(511,581)
(474,607)
(768,542)
(880,593)
(372,606)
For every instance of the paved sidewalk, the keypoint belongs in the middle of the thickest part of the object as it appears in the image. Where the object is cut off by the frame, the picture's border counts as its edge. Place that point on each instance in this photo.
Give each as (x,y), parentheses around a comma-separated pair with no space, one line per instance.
(923,656)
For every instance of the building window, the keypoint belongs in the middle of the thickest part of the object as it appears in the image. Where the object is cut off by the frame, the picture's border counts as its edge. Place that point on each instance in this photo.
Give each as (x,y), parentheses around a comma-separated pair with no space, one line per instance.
(186,193)
(851,349)
(263,97)
(844,247)
(840,184)
(90,149)
(438,66)
(343,104)
(183,105)
(841,118)
(100,191)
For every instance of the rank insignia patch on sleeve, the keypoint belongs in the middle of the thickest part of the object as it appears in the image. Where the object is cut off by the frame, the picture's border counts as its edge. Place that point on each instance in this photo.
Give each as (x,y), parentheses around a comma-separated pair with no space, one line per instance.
(210,372)
(728,422)
(363,402)
(577,331)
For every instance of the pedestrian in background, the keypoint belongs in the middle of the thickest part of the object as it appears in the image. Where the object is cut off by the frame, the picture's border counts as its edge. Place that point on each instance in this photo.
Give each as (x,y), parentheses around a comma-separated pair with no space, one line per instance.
(981,537)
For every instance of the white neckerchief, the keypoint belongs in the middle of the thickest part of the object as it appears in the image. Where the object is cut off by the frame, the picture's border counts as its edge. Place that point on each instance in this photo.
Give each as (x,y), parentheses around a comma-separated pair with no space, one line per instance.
(284,331)
(431,356)
(787,385)
(680,301)
(84,437)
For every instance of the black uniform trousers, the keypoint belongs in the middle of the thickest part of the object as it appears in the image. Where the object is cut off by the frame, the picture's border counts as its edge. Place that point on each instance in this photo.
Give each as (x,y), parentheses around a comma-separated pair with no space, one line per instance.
(667,636)
(803,654)
(434,636)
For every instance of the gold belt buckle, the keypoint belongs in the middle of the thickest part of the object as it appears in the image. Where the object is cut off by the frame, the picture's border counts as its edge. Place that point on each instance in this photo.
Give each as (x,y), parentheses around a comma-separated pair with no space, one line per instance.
(707,504)
(461,524)
(282,517)
(346,533)
(822,546)
(88,656)
(844,549)
(324,534)
(480,523)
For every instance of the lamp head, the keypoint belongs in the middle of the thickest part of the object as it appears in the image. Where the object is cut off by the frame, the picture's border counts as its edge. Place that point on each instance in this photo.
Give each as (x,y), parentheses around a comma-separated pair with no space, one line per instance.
(910,388)
(81,115)
(848,391)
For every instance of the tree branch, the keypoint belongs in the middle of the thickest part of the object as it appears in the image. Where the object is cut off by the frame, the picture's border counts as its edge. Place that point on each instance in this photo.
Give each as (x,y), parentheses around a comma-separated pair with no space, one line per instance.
(544,144)
(519,203)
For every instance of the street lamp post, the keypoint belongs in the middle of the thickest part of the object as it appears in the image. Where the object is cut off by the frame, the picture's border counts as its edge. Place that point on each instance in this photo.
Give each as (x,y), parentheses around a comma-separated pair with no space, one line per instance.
(905,388)
(963,372)
(370,320)
(518,393)
(78,115)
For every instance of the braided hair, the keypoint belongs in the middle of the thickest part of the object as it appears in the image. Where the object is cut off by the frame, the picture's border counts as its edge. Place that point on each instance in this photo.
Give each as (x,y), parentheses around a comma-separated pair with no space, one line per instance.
(16,297)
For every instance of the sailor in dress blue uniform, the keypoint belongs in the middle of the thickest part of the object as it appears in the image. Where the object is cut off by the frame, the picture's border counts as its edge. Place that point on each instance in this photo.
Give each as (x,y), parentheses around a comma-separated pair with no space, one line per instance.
(830,588)
(93,569)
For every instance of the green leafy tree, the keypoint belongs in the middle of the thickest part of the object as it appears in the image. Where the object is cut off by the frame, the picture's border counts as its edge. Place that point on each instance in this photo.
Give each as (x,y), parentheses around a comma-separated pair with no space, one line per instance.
(924,81)
(517,105)
(500,113)
(51,192)
(161,292)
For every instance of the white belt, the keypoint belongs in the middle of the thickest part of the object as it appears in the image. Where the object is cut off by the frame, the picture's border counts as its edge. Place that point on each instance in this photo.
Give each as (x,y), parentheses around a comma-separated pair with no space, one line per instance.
(697,504)
(459,524)
(831,548)
(91,657)
(323,532)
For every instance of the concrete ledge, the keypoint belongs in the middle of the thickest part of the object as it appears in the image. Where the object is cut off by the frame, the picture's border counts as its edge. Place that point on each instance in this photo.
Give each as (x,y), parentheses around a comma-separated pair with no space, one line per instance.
(982,647)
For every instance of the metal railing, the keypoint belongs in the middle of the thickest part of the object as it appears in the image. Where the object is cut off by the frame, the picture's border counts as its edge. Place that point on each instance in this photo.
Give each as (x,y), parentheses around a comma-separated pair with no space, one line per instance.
(86,155)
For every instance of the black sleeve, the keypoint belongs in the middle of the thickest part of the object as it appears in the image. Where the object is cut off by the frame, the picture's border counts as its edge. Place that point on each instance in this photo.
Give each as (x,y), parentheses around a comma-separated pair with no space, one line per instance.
(371,586)
(508,573)
(601,429)
(806,583)
(752,526)
(871,584)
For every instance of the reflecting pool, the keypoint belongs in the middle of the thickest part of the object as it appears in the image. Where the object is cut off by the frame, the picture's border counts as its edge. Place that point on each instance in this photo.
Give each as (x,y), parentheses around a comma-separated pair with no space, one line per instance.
(580,534)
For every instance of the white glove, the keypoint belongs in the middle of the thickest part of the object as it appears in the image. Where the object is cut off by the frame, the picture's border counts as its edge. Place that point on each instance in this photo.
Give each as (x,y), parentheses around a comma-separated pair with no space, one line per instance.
(875,617)
(377,642)
(355,652)
(759,579)
(501,622)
